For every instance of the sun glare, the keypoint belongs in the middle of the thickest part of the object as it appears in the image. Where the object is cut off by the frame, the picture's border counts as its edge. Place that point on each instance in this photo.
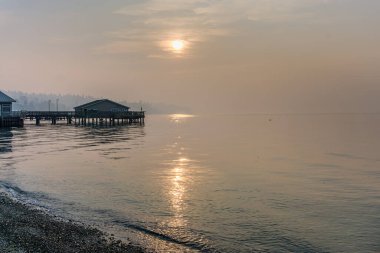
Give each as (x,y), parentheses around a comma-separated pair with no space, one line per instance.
(178,45)
(180,117)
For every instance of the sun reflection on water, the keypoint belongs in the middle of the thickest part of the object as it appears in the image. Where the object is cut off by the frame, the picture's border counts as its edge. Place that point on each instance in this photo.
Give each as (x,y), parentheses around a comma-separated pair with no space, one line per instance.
(178,189)
(181,173)
(179,184)
(178,118)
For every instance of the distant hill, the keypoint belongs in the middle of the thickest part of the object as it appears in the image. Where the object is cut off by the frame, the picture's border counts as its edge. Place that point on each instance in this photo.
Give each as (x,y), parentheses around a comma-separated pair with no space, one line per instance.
(40,102)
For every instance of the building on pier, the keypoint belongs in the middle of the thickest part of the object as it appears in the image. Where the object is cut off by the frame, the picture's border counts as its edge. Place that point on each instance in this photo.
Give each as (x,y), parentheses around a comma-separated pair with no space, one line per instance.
(5,105)
(102,112)
(101,105)
(7,117)
(106,112)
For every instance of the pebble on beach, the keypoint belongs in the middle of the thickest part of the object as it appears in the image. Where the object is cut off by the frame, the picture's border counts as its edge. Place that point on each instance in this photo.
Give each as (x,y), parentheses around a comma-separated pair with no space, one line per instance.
(23,229)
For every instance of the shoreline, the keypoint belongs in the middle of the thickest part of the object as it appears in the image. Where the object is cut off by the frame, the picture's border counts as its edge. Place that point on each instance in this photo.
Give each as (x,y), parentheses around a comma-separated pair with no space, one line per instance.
(24,229)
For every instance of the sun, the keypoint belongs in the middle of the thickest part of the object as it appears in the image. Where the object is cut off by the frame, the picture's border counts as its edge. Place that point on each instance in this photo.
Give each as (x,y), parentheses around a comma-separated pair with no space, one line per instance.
(178,45)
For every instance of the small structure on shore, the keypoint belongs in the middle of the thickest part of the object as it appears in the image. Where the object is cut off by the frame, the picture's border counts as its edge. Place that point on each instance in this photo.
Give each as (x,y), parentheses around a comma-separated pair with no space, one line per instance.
(5,105)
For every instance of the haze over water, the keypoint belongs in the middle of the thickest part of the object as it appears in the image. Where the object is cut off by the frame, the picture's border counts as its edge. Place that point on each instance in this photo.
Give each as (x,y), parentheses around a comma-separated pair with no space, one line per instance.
(221,183)
(251,56)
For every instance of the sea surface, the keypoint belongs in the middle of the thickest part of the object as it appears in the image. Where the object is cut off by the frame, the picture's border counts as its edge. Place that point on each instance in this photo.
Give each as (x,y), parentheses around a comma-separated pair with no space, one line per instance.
(215,183)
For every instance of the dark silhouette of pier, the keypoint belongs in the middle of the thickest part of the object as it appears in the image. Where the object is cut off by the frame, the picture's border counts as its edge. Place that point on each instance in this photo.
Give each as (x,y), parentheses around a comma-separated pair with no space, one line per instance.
(101,112)
(90,118)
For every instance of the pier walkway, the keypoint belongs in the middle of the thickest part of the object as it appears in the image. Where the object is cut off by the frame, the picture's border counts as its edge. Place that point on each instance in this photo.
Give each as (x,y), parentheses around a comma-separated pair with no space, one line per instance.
(90,118)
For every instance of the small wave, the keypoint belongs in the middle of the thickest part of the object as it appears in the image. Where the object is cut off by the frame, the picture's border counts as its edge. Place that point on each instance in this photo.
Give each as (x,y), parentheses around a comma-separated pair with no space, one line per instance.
(11,189)
(40,202)
(31,199)
(188,244)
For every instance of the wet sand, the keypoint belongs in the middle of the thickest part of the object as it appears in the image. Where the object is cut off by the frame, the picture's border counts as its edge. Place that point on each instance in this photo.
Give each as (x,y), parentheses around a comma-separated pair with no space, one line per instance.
(24,229)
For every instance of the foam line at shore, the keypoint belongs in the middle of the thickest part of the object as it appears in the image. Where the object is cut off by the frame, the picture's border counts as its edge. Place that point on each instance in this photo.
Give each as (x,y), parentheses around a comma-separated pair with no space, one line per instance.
(24,229)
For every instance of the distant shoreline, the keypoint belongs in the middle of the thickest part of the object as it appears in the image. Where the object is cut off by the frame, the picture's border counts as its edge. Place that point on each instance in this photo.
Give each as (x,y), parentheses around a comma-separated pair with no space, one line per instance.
(24,229)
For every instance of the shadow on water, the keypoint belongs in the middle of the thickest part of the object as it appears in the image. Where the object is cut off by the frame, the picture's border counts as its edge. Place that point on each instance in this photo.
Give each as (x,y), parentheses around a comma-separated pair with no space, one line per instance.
(7,161)
(6,137)
(99,136)
(60,138)
(109,141)
(95,136)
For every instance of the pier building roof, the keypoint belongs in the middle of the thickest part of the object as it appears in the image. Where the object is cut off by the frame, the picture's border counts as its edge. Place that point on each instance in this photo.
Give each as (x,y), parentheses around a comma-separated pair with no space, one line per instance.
(5,98)
(102,105)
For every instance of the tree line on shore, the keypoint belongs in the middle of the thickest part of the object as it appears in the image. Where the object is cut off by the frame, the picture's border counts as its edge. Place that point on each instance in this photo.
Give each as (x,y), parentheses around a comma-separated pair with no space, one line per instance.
(53,102)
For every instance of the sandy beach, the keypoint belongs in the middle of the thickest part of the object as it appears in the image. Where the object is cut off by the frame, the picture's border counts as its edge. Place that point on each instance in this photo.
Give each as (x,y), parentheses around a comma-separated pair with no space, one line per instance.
(24,229)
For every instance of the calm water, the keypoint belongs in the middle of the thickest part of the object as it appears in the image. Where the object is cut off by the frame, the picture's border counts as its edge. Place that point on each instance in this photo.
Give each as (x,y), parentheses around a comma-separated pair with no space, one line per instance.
(285,183)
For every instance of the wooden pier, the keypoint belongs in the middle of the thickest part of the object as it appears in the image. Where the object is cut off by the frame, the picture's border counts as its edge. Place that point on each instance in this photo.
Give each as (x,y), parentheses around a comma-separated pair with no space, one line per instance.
(101,112)
(11,121)
(108,118)
(75,118)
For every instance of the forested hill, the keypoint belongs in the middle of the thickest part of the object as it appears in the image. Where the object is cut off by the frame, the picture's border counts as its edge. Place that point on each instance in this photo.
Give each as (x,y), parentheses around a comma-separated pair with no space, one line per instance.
(40,102)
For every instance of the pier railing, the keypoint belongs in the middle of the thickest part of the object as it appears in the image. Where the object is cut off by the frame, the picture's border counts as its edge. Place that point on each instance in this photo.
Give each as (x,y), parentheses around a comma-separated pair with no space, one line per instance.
(85,118)
(88,114)
(15,114)
(46,114)
(111,118)
(120,115)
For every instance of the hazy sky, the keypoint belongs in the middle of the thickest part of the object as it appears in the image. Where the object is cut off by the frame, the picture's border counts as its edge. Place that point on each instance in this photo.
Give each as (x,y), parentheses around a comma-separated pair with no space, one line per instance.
(211,55)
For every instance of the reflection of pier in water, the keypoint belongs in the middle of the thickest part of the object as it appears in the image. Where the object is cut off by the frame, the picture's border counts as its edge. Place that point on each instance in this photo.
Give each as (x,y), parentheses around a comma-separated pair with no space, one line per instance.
(6,136)
(100,136)
(62,138)
(7,160)
(11,121)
